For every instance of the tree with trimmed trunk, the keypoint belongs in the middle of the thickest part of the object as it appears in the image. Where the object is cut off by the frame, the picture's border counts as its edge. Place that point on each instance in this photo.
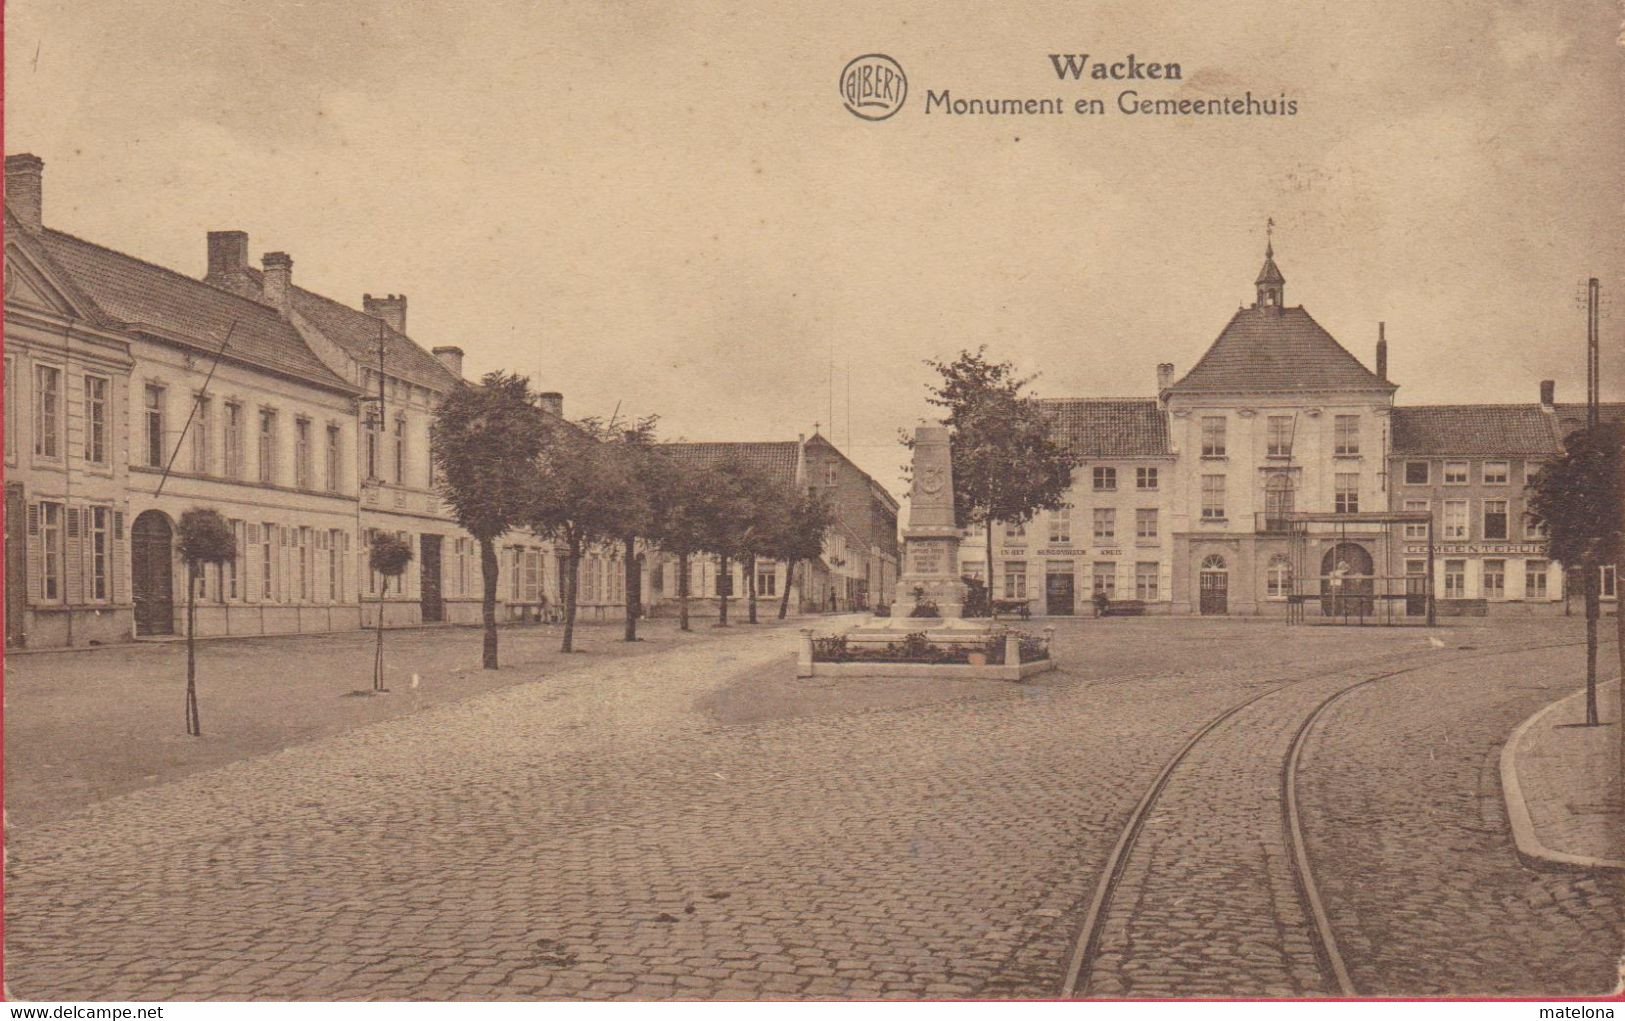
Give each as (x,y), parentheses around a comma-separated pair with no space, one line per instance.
(387,556)
(581,499)
(486,439)
(202,538)
(738,510)
(678,503)
(1577,497)
(644,477)
(800,537)
(1007,463)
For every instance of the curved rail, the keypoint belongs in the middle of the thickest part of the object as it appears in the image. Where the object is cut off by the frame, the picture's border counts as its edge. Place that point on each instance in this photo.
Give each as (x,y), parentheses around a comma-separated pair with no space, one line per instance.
(1076,981)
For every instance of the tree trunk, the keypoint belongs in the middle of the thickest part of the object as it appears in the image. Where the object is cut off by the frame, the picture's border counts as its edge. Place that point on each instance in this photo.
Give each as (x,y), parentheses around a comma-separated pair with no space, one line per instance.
(378,648)
(789,579)
(194,726)
(724,585)
(572,583)
(488,604)
(990,612)
(634,600)
(682,592)
(1593,606)
(750,585)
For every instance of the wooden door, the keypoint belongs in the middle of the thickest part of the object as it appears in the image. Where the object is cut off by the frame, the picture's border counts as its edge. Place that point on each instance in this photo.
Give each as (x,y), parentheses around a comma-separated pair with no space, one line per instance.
(152,567)
(433,606)
(1215,592)
(1058,595)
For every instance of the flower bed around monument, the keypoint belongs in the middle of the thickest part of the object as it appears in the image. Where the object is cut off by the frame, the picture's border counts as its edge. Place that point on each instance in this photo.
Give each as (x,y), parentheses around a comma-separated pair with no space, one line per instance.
(1002,655)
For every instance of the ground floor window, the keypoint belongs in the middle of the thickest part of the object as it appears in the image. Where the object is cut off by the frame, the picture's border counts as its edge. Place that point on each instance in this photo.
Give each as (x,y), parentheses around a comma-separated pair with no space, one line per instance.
(1534,579)
(1455,579)
(1495,579)
(1608,588)
(1278,577)
(1015,579)
(972,569)
(1145,581)
(1106,578)
(767,579)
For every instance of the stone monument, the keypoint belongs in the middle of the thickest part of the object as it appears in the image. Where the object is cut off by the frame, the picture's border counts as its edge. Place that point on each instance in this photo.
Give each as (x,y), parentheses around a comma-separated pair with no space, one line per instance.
(931,539)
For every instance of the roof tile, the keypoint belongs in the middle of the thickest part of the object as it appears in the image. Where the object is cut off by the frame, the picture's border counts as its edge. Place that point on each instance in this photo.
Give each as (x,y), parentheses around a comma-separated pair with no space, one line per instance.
(1109,427)
(1277,350)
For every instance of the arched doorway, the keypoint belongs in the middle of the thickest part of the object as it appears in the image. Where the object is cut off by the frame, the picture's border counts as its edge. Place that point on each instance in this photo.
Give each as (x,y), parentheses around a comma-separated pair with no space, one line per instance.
(1215,585)
(1346,584)
(152,567)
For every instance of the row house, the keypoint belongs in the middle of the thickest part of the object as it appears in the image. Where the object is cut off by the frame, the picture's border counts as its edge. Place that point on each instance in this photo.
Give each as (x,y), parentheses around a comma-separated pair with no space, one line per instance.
(1468,466)
(1112,536)
(134,392)
(859,562)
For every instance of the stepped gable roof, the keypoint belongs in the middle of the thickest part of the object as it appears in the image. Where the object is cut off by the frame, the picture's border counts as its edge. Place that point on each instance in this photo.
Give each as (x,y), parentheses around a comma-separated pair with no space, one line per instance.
(777,459)
(1475,430)
(1109,427)
(176,307)
(1272,349)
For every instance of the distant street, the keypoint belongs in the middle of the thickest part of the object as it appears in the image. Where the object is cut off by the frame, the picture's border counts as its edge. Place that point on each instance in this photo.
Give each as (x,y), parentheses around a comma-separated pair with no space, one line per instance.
(692,822)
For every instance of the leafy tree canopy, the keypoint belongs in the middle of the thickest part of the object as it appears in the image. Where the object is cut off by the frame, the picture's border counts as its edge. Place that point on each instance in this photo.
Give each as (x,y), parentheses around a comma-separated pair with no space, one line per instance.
(1578,496)
(486,440)
(204,537)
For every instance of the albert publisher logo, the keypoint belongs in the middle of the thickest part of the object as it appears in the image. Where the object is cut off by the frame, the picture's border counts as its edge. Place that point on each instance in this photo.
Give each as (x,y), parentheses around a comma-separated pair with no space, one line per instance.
(874,86)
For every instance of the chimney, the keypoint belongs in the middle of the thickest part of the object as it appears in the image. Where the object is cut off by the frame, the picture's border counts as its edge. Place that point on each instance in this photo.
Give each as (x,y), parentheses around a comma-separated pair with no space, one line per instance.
(391,308)
(1165,376)
(25,185)
(451,358)
(552,403)
(278,278)
(1382,352)
(1548,393)
(228,253)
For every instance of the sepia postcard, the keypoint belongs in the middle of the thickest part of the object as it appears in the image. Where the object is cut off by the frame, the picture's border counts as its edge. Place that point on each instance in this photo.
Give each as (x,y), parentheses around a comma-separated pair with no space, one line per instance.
(544,500)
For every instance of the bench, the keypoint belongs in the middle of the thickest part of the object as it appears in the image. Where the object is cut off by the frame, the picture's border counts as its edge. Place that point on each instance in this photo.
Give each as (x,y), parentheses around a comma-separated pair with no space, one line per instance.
(1006,607)
(1124,608)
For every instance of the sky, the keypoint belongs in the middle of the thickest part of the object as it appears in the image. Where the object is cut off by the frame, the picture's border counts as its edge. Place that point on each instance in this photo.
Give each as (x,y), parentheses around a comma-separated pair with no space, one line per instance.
(666,209)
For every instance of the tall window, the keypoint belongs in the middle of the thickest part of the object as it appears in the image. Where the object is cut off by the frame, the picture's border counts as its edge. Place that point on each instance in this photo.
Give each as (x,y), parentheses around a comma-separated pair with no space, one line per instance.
(267,446)
(1213,497)
(200,435)
(1060,525)
(1278,436)
(96,416)
(335,566)
(234,567)
(1495,519)
(1346,434)
(1416,473)
(767,578)
(233,437)
(47,411)
(1145,580)
(1455,519)
(1145,478)
(1105,578)
(1534,528)
(1495,579)
(1105,524)
(301,453)
(50,521)
(303,552)
(1496,473)
(1455,473)
(1014,532)
(400,450)
(1213,436)
(267,560)
(1346,496)
(153,400)
(1279,501)
(1416,529)
(372,449)
(1145,523)
(1455,579)
(1534,579)
(1105,480)
(332,459)
(1015,579)
(98,552)
(1278,577)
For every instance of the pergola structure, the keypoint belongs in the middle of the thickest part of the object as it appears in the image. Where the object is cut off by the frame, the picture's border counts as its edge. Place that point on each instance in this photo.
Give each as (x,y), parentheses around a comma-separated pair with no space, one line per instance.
(1345,594)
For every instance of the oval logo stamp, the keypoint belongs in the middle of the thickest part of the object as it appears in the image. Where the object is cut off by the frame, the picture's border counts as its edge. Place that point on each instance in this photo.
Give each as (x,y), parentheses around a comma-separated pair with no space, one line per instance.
(873,86)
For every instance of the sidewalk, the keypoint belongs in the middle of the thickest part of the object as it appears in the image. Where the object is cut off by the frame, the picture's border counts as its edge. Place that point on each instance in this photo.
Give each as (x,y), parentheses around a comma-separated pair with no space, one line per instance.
(1562,784)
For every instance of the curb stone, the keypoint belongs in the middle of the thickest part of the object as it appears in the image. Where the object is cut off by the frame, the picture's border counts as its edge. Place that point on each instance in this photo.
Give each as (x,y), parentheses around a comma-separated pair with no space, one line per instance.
(1529,846)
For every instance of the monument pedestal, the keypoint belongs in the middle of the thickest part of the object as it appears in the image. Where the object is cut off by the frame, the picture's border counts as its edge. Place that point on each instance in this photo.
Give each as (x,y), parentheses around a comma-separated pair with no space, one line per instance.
(931,540)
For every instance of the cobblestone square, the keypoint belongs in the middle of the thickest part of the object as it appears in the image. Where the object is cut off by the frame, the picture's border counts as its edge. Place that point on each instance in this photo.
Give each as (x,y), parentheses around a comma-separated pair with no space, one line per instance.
(694,823)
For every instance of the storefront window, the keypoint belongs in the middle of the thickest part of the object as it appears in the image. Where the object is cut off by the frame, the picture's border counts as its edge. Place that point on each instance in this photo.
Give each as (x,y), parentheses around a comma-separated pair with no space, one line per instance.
(1495,579)
(1015,579)
(1455,579)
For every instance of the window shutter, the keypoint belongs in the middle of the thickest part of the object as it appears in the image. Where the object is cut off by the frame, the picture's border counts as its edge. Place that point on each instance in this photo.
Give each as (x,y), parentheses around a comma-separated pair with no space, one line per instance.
(120,558)
(35,565)
(251,562)
(73,562)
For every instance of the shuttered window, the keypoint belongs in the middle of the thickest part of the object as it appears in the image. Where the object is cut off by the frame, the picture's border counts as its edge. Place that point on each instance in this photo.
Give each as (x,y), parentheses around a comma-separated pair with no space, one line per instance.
(50,552)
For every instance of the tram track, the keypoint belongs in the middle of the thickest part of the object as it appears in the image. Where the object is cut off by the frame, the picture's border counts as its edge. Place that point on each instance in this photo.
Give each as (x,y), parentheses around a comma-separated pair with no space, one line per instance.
(1087,947)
